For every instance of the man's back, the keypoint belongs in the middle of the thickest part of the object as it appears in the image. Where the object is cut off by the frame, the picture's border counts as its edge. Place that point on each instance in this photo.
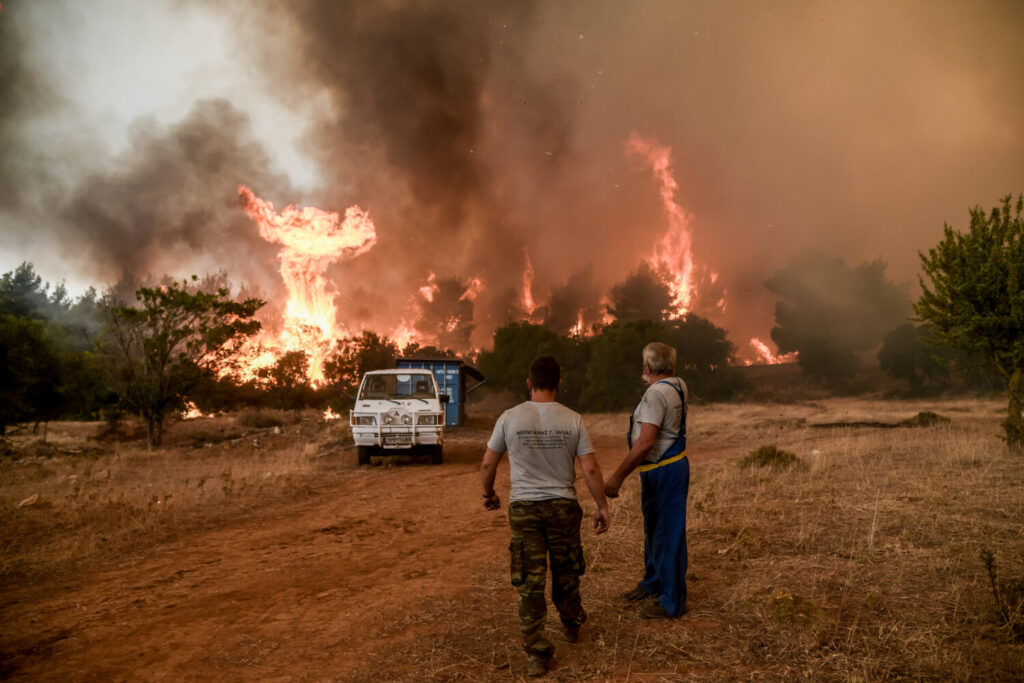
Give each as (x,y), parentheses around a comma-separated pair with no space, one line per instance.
(543,440)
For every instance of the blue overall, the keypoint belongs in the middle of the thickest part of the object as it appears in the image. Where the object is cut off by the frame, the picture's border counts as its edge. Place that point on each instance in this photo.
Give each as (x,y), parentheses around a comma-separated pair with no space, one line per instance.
(663,489)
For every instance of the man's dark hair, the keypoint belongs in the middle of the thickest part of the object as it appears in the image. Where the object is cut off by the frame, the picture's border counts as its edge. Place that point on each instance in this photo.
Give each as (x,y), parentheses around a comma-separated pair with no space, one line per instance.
(545,373)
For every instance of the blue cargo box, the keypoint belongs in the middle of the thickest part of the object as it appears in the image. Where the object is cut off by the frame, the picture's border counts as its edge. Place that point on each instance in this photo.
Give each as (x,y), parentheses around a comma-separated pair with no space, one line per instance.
(451,380)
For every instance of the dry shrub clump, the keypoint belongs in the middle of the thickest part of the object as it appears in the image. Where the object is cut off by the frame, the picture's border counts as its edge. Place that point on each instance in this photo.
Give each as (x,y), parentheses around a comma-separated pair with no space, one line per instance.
(770,456)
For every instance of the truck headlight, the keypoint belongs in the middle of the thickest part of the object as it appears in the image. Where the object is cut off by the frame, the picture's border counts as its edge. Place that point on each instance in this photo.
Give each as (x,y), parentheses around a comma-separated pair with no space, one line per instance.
(364,420)
(426,420)
(406,420)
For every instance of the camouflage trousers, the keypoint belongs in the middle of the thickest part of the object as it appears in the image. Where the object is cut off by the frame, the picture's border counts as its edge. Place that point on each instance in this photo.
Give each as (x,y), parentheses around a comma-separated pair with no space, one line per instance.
(543,529)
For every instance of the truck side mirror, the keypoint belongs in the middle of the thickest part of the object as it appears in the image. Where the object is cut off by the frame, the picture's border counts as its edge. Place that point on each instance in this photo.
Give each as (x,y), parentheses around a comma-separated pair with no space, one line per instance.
(445,398)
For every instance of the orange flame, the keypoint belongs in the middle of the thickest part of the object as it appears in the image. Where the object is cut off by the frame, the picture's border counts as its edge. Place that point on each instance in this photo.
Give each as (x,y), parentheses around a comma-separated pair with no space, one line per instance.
(579,328)
(476,285)
(311,239)
(404,335)
(192,412)
(672,254)
(766,357)
(529,305)
(430,289)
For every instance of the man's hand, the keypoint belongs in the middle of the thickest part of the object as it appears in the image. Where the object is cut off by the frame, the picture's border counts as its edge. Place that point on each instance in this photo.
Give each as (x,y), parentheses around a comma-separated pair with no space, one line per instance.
(487,469)
(612,485)
(601,520)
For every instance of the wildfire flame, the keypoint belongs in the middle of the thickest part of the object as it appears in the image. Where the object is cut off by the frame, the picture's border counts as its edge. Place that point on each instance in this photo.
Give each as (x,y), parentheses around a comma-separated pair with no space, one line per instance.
(428,290)
(405,335)
(529,305)
(672,254)
(579,328)
(192,412)
(476,285)
(310,240)
(766,357)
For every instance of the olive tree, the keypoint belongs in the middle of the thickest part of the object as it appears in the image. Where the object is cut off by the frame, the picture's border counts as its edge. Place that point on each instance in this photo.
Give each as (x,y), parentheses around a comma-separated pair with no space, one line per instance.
(974,297)
(160,349)
(352,357)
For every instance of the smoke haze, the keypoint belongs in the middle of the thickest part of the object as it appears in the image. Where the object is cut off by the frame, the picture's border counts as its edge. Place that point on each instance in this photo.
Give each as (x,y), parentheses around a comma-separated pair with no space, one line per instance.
(480,134)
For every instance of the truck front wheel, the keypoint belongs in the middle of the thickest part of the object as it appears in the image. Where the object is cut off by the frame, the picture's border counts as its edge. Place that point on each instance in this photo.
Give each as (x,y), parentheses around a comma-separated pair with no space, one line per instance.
(363,454)
(437,455)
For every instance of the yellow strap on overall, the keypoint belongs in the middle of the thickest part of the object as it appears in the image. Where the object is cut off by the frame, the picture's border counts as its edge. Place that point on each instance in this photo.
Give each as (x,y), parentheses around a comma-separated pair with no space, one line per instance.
(667,461)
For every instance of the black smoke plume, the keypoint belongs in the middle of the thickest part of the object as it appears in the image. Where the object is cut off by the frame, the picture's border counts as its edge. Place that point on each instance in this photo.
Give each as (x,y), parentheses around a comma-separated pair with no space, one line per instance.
(23,94)
(171,198)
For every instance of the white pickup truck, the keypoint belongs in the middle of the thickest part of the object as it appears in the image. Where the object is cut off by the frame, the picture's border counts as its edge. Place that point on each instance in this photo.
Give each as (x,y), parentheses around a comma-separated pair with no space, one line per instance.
(398,412)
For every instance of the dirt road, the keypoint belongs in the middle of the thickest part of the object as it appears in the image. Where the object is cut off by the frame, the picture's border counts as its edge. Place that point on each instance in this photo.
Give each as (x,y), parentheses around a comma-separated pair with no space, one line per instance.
(382,558)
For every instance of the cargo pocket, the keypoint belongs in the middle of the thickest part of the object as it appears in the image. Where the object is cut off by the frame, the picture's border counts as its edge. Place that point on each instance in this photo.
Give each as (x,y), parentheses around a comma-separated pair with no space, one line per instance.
(515,549)
(568,560)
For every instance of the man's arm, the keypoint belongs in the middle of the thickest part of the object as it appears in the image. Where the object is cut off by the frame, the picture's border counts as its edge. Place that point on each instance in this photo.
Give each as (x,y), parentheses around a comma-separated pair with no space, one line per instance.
(641,447)
(595,482)
(488,468)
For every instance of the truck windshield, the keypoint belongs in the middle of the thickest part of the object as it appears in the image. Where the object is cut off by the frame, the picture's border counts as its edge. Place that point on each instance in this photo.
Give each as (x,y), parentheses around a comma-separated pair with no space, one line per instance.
(390,386)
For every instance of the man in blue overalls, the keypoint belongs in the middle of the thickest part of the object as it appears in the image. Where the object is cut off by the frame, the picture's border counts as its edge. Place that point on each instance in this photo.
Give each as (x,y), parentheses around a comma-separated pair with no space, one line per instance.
(657,446)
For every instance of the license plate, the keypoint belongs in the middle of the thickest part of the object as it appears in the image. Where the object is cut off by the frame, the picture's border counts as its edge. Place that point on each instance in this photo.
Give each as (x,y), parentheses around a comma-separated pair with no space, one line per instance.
(398,440)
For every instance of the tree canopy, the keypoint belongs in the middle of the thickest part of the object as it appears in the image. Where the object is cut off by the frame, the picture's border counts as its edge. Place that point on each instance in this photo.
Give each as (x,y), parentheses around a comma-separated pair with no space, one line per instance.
(354,356)
(643,295)
(972,293)
(161,348)
(909,353)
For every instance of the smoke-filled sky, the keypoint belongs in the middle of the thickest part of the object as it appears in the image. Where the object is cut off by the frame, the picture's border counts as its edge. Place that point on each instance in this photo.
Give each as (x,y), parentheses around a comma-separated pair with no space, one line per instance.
(478,134)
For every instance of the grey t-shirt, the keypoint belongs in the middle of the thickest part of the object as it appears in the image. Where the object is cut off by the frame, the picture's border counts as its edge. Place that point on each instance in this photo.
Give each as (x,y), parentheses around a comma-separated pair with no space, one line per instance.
(661,407)
(543,441)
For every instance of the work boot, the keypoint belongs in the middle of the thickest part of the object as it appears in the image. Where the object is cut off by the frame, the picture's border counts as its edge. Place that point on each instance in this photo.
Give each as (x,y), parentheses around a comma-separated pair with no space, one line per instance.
(654,610)
(571,629)
(636,595)
(537,666)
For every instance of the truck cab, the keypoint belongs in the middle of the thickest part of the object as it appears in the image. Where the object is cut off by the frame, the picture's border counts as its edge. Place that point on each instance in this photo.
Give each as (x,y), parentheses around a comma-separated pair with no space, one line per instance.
(398,412)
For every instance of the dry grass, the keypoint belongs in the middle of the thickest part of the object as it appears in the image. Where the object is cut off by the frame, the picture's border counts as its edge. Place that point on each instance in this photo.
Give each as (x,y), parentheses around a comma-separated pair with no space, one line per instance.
(79,502)
(864,565)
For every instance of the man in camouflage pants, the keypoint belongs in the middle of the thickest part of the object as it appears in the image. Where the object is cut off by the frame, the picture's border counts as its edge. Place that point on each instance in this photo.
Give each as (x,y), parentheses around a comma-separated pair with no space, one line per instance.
(544,439)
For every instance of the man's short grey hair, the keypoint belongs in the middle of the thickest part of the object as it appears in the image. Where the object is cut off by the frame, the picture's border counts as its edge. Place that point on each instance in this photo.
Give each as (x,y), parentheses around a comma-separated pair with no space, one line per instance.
(660,358)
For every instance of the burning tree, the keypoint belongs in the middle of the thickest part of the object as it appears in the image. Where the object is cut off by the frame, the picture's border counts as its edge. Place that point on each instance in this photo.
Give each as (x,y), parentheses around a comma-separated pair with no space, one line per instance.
(644,295)
(976,298)
(160,350)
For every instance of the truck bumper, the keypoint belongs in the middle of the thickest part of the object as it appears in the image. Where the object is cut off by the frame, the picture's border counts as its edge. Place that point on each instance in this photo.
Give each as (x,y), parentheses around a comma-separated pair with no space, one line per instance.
(398,439)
